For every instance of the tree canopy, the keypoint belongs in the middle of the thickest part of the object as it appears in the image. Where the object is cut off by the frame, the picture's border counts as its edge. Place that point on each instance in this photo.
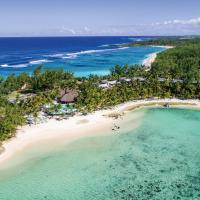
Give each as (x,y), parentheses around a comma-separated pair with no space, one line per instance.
(175,73)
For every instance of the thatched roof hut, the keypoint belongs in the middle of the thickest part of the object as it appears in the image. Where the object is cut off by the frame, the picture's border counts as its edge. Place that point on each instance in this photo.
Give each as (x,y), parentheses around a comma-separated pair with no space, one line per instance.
(68,96)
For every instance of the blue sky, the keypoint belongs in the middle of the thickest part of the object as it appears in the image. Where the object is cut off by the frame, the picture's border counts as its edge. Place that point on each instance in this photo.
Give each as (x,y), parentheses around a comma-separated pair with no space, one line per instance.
(99,17)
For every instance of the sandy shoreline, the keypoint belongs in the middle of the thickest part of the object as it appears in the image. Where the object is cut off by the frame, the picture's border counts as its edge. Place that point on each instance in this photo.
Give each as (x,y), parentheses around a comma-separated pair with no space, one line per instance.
(96,123)
(67,130)
(152,57)
(149,60)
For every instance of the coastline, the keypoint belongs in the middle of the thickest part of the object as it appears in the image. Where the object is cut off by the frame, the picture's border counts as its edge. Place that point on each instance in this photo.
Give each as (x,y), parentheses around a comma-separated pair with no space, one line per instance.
(152,57)
(74,128)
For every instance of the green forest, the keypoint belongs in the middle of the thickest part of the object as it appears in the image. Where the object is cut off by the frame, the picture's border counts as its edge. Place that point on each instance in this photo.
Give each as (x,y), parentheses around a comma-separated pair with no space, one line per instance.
(175,73)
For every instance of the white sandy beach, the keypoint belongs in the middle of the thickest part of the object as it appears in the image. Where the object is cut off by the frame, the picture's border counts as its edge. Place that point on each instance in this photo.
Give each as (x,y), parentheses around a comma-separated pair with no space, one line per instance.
(152,57)
(163,46)
(66,130)
(97,123)
(148,61)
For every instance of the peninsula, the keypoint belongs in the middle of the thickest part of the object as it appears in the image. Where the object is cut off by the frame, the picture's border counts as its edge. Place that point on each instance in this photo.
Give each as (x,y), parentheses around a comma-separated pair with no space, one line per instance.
(174,77)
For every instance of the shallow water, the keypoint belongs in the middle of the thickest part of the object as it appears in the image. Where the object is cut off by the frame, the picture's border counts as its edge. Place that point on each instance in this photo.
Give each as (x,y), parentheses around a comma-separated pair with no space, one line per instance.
(160,159)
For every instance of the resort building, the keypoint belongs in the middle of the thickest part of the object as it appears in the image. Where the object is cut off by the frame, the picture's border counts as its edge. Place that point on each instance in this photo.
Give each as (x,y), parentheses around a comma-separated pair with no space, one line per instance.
(142,79)
(67,96)
(104,85)
(104,81)
(177,80)
(162,79)
(108,84)
(112,82)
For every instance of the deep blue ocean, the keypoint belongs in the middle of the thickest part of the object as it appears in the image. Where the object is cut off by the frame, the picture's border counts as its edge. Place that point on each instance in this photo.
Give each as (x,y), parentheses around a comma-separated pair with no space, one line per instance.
(80,55)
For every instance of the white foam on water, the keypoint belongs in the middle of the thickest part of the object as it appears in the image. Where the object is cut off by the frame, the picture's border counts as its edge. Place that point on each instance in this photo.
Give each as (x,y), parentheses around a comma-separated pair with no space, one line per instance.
(18,66)
(4,65)
(36,62)
(95,51)
(75,54)
(58,55)
(105,45)
(69,57)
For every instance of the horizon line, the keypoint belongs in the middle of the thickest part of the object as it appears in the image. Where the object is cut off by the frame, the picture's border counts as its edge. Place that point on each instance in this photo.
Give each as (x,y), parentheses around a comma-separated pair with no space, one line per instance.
(42,36)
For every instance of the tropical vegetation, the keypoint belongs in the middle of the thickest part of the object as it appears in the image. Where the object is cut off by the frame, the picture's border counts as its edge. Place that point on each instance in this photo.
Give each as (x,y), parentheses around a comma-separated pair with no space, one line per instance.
(175,73)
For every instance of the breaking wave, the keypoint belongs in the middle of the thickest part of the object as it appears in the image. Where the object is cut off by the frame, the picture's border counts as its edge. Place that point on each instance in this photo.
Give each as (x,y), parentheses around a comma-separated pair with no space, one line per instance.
(36,62)
(14,66)
(72,55)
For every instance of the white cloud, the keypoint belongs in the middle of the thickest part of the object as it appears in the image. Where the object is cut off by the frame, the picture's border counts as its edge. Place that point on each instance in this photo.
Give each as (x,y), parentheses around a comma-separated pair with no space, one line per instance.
(170,27)
(67,30)
(86,29)
(195,21)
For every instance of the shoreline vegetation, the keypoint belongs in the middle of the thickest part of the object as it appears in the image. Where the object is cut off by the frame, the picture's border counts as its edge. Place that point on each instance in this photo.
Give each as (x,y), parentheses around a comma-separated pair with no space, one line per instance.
(97,123)
(47,100)
(149,60)
(152,57)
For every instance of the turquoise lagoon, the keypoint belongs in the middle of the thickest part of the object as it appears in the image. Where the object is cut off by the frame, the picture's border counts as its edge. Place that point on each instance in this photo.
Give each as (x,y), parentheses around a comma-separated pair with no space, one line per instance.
(159,159)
